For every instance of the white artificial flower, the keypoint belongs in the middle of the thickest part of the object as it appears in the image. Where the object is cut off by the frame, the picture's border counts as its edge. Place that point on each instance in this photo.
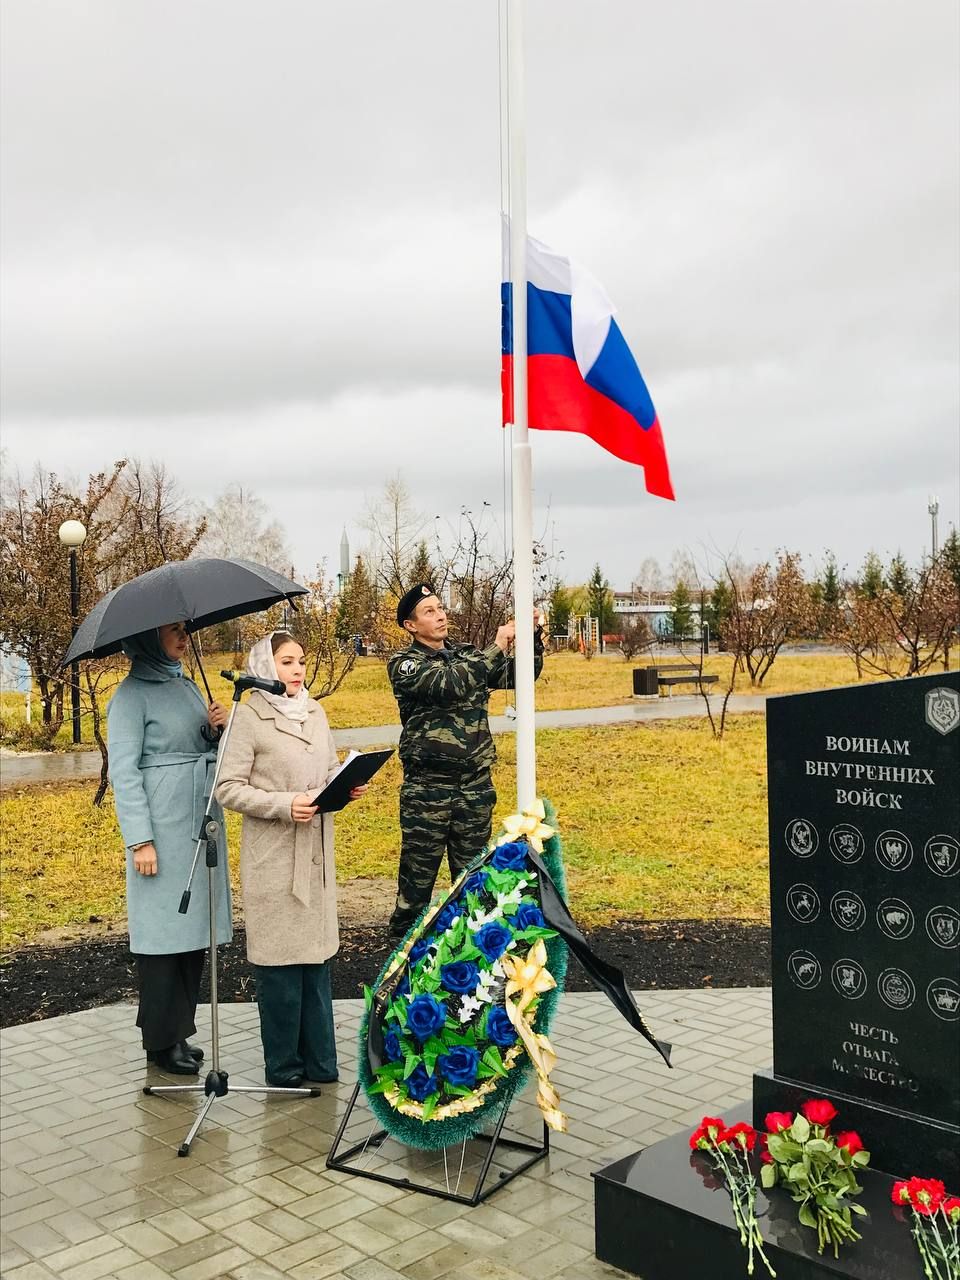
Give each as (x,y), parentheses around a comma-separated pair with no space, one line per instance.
(469,1005)
(509,899)
(482,918)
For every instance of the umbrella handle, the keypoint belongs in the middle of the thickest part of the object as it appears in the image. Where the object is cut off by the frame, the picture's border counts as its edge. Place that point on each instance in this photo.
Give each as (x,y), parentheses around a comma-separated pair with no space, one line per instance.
(203,674)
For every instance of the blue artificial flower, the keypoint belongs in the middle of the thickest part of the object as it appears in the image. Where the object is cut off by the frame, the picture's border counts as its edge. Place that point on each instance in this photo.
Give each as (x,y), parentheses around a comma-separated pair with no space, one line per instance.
(475,883)
(459,1064)
(447,916)
(419,950)
(529,916)
(403,986)
(460,977)
(419,1084)
(493,939)
(425,1017)
(500,1030)
(510,857)
(391,1047)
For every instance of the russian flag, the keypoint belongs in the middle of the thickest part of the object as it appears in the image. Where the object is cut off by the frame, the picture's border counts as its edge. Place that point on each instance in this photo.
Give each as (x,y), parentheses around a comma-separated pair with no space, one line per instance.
(581,375)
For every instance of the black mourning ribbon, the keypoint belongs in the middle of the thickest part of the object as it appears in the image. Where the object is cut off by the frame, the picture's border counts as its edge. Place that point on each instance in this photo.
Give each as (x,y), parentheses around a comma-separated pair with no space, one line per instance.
(604,976)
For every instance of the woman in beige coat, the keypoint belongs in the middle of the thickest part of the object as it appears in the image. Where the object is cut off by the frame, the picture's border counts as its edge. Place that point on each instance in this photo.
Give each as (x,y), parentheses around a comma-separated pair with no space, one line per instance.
(279,755)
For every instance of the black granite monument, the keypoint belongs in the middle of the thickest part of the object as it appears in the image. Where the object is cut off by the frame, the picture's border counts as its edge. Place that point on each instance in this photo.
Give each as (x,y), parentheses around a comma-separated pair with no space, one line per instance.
(864,810)
(864,803)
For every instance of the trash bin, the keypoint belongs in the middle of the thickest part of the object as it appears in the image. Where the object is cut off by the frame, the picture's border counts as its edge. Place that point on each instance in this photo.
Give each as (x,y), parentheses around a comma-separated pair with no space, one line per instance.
(645,681)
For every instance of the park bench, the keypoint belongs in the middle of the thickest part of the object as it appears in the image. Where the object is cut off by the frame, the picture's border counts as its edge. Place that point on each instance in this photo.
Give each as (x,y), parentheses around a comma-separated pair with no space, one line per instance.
(661,678)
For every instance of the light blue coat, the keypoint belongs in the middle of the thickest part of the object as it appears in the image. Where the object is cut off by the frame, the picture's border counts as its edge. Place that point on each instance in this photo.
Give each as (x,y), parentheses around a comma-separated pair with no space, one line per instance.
(161,768)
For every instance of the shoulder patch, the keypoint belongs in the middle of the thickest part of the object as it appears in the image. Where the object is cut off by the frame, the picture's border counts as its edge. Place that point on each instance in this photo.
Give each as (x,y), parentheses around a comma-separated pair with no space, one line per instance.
(407,665)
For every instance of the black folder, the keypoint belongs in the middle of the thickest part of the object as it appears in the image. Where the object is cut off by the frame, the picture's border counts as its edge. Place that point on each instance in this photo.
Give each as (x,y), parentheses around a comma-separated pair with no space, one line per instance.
(336,794)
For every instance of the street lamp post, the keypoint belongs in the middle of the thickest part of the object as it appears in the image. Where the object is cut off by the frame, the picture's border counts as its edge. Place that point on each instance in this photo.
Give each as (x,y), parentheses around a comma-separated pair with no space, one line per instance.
(72,534)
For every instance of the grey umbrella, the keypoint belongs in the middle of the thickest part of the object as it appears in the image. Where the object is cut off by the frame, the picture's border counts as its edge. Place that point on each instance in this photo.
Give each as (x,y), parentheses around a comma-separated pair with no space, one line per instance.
(197,592)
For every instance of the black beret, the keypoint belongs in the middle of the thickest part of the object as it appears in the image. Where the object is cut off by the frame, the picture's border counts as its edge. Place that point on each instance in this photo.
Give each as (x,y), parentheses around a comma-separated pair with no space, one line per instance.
(410,599)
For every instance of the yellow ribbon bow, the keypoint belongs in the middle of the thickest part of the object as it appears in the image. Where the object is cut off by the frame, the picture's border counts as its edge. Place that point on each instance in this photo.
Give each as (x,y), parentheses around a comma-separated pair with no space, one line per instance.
(529,823)
(527,979)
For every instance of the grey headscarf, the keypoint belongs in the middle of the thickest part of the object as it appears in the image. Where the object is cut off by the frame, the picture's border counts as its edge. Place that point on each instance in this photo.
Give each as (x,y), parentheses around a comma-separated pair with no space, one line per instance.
(148,659)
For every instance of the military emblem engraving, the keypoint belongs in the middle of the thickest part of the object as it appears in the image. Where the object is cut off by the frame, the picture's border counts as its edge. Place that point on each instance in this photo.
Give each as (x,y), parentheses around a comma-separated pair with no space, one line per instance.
(895,918)
(804,969)
(942,855)
(849,979)
(802,837)
(942,709)
(894,850)
(846,843)
(848,911)
(897,990)
(943,927)
(943,999)
(803,903)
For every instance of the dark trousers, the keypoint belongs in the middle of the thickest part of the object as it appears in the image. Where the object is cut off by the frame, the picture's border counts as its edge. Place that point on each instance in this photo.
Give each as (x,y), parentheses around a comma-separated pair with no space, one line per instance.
(296,1021)
(169,988)
(438,815)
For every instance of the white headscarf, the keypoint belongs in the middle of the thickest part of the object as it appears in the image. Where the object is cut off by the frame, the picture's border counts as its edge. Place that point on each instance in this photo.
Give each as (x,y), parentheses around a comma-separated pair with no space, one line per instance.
(260,664)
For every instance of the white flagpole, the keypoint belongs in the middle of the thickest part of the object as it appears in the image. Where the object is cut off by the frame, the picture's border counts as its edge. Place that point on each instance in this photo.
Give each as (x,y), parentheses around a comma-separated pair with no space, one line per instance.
(522,489)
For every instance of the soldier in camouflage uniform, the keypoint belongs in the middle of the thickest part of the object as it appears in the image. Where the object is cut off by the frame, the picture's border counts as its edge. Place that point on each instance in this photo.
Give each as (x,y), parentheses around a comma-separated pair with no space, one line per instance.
(447,797)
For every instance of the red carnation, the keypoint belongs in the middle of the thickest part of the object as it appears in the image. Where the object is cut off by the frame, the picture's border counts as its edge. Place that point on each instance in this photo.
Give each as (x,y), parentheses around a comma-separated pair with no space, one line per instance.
(703,1135)
(778,1120)
(926,1195)
(900,1194)
(819,1110)
(951,1207)
(744,1134)
(851,1141)
(766,1158)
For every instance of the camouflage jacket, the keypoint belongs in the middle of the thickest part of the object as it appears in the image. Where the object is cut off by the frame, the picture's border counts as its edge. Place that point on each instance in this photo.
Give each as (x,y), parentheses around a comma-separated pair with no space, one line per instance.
(443,695)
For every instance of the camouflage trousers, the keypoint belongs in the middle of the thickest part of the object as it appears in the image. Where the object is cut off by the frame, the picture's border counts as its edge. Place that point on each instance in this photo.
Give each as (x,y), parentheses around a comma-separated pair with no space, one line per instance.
(438,815)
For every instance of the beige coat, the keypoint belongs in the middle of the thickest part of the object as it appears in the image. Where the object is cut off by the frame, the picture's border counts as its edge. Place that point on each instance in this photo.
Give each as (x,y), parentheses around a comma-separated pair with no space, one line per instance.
(286,868)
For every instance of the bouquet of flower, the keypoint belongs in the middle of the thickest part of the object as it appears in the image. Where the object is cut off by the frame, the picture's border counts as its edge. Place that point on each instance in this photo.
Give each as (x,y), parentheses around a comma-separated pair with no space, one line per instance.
(729,1150)
(936,1220)
(817,1168)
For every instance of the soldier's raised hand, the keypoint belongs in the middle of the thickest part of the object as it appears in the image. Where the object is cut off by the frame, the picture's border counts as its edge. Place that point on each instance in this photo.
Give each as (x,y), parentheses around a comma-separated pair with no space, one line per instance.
(505,635)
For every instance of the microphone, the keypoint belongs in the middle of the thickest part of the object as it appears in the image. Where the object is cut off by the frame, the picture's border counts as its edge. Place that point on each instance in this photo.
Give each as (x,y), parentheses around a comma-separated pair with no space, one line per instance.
(241,682)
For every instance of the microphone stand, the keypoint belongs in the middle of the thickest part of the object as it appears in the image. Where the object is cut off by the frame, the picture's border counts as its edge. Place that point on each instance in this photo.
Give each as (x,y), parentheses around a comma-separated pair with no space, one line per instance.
(216,1084)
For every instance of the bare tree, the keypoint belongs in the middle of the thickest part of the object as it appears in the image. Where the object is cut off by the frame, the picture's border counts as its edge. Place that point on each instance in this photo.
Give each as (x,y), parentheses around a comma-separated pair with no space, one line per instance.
(238,525)
(396,530)
(315,626)
(34,587)
(635,636)
(912,620)
(649,577)
(773,606)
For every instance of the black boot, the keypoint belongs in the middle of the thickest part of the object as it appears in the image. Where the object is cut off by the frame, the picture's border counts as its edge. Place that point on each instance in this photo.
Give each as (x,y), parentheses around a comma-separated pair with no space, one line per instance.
(173,1061)
(191,1051)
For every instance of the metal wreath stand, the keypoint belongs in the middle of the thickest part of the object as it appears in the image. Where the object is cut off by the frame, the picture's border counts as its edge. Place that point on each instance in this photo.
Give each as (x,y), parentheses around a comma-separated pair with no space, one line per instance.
(216,1084)
(344,1161)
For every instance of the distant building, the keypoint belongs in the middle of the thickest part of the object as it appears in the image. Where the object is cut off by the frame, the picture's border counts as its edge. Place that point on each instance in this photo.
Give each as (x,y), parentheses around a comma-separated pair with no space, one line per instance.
(655,606)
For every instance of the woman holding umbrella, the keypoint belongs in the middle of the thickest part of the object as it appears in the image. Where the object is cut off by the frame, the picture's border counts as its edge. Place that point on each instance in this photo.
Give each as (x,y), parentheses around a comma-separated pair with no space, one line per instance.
(162,739)
(279,756)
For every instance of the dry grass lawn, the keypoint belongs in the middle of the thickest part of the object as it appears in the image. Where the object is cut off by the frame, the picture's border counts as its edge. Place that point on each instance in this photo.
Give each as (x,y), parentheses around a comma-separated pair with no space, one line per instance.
(568,681)
(658,820)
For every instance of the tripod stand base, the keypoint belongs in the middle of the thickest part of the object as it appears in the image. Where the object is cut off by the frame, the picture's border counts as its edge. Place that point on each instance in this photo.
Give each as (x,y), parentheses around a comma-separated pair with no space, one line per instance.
(343,1161)
(216,1086)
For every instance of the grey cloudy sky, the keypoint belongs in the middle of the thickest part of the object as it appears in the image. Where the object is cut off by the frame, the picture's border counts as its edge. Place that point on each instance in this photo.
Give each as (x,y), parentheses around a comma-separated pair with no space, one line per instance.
(261,243)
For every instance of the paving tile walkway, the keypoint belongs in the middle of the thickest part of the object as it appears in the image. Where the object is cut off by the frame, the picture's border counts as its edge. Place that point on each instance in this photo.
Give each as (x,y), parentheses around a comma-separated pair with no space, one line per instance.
(91,1187)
